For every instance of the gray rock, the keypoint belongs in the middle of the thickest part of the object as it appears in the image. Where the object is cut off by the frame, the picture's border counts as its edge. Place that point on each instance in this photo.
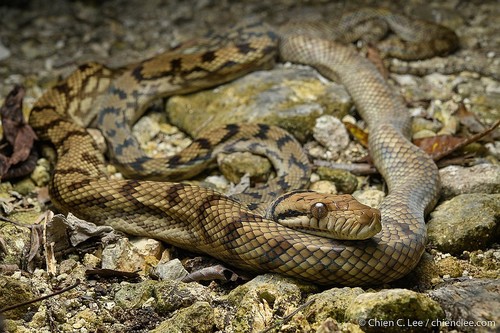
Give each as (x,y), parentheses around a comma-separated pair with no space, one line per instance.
(42,172)
(331,133)
(236,165)
(173,295)
(345,181)
(331,303)
(439,86)
(369,197)
(291,98)
(171,270)
(425,133)
(466,222)
(324,186)
(147,127)
(474,301)
(419,124)
(482,178)
(163,296)
(198,318)
(131,255)
(13,291)
(254,304)
(4,52)
(394,310)
(493,149)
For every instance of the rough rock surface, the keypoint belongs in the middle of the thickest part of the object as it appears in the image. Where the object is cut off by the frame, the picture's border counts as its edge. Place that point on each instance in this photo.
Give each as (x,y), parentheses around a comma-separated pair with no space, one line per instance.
(466,222)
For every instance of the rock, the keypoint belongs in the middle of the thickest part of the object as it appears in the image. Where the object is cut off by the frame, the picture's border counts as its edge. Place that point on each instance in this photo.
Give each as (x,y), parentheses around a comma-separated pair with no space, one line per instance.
(217,182)
(345,181)
(331,133)
(24,186)
(134,295)
(14,240)
(171,270)
(450,267)
(482,178)
(324,186)
(470,306)
(425,133)
(68,265)
(13,291)
(163,296)
(157,137)
(438,86)
(493,149)
(91,260)
(445,113)
(33,49)
(236,165)
(4,52)
(41,174)
(425,275)
(332,326)
(488,262)
(173,295)
(147,127)
(394,310)
(331,303)
(466,222)
(198,318)
(369,197)
(83,321)
(132,255)
(291,98)
(254,304)
(419,124)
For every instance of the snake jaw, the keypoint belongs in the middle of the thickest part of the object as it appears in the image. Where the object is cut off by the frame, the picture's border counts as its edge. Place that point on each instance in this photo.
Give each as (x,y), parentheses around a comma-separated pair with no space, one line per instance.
(339,217)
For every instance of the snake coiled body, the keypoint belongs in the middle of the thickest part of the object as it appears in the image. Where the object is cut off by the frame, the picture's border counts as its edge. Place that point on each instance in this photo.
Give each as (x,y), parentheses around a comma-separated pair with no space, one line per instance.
(203,220)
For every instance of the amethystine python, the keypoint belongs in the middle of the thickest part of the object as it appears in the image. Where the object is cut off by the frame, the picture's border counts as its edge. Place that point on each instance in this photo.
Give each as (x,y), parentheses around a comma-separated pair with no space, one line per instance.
(205,221)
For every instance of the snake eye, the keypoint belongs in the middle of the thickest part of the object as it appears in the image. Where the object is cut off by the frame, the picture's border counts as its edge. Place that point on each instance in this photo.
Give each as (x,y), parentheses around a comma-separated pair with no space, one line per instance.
(319,210)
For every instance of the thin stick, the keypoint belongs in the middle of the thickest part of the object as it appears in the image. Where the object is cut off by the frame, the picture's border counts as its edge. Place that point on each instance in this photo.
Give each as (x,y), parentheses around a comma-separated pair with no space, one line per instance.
(15,306)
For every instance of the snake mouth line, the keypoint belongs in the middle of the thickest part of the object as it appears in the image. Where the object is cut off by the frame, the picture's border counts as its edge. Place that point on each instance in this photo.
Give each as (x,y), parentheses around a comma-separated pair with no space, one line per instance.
(341,228)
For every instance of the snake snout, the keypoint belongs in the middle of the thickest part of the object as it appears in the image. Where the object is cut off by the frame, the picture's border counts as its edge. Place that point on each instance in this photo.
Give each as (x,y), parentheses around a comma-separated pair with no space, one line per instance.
(369,224)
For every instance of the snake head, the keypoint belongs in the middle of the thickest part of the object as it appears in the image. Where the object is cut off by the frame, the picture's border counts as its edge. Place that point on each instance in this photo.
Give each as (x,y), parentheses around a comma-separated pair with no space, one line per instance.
(326,215)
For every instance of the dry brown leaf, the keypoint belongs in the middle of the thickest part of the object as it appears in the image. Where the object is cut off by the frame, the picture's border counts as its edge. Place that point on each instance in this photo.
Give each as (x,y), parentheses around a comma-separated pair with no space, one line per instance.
(17,155)
(373,54)
(357,133)
(443,145)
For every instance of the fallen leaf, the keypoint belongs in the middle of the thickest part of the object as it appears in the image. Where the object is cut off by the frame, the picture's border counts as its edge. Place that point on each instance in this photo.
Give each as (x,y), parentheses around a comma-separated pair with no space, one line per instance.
(373,54)
(443,145)
(216,272)
(81,230)
(469,119)
(18,156)
(357,133)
